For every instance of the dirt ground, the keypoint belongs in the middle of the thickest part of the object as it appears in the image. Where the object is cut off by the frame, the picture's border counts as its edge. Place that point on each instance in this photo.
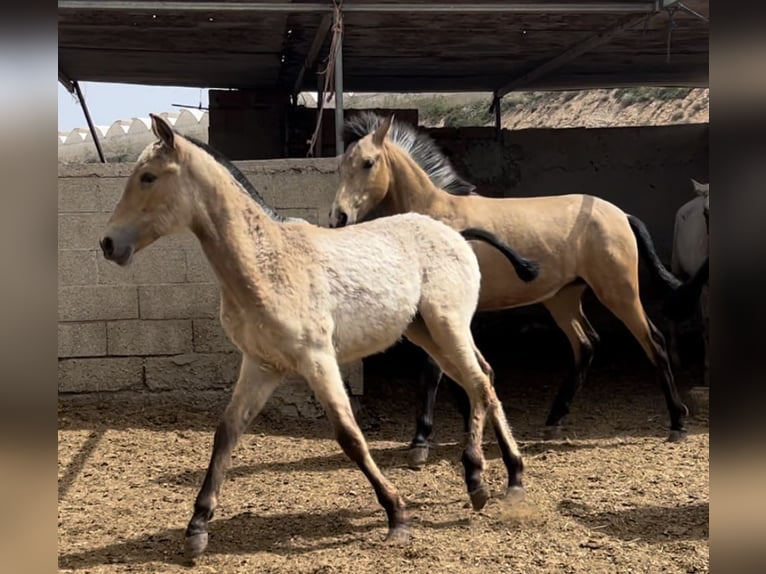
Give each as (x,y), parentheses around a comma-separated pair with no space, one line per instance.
(612,496)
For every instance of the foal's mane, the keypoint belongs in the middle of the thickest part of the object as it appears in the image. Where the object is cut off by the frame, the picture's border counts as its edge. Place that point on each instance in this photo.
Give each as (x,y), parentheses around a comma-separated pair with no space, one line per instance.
(240,177)
(420,147)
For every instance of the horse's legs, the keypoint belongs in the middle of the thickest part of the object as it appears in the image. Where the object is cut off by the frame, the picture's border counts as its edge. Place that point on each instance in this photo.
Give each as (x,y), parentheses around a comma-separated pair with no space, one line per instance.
(253,388)
(451,346)
(566,310)
(429,380)
(324,378)
(625,304)
(508,447)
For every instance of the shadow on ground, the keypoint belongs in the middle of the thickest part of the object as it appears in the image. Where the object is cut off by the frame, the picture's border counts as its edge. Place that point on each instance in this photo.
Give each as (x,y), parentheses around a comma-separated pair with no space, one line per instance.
(652,524)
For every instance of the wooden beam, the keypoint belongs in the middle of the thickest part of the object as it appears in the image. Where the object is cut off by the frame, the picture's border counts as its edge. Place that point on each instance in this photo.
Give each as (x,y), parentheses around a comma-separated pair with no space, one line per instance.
(569,54)
(316,45)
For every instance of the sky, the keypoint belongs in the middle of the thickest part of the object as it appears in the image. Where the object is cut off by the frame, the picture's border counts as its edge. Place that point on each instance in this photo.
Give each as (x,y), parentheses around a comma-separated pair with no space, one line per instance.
(110,102)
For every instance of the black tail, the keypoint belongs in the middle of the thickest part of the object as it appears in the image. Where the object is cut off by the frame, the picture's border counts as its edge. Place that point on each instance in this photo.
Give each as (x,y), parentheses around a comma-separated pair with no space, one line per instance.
(526,269)
(682,302)
(646,250)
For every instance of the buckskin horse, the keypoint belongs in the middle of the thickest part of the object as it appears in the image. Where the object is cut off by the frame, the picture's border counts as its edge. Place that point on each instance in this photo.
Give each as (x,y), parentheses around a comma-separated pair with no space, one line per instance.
(298,299)
(580,241)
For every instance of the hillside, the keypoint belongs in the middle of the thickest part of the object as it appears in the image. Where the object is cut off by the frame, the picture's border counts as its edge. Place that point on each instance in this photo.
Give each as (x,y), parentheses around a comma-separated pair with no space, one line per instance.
(591,108)
(124,139)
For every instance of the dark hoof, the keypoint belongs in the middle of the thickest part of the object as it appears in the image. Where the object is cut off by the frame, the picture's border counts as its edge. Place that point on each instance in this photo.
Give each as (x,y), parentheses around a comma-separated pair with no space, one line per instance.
(479,497)
(677,436)
(417,457)
(553,432)
(399,535)
(196,544)
(515,494)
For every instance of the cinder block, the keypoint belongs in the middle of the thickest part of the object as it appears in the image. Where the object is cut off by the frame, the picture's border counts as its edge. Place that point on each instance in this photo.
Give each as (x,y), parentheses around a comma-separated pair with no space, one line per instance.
(97,302)
(77,195)
(198,269)
(150,266)
(353,377)
(294,398)
(180,301)
(110,190)
(180,240)
(192,371)
(90,194)
(77,267)
(82,339)
(209,337)
(149,337)
(307,213)
(81,230)
(102,374)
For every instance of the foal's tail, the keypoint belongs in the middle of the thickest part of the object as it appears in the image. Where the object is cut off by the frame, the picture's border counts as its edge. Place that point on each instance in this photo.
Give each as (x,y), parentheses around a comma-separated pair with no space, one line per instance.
(526,269)
(646,249)
(682,302)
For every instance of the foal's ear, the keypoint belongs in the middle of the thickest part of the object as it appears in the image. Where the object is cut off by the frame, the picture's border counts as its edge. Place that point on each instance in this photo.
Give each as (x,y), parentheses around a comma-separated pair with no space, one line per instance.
(380,134)
(700,188)
(163,131)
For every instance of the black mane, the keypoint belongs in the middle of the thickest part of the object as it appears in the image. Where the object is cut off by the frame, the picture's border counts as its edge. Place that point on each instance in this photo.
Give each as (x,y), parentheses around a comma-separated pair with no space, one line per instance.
(238,175)
(420,147)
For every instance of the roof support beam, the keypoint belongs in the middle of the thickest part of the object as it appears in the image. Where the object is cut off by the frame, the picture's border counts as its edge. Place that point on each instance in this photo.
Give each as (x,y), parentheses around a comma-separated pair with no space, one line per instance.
(316,45)
(66,82)
(92,128)
(409,7)
(574,51)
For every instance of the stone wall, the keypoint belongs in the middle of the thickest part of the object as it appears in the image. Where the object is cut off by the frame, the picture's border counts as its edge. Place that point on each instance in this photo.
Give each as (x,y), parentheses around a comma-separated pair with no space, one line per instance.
(154,325)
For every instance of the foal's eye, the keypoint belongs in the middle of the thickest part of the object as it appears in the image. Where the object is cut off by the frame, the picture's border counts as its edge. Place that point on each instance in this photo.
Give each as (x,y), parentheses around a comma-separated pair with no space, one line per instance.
(368,163)
(147,177)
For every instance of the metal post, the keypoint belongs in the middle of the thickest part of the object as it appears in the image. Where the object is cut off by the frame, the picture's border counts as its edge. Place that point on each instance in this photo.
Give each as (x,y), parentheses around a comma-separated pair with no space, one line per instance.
(93,133)
(320,111)
(338,73)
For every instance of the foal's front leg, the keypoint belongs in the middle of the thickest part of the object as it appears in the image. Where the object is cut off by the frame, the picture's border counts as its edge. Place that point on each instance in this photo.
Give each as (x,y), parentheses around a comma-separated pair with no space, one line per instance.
(253,388)
(324,378)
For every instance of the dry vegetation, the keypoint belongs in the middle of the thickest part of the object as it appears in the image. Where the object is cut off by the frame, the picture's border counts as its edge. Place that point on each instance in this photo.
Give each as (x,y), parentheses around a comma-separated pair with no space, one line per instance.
(588,108)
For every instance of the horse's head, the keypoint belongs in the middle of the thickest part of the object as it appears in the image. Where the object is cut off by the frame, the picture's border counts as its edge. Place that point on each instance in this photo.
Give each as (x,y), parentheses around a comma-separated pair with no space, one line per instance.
(364,178)
(155,201)
(703,190)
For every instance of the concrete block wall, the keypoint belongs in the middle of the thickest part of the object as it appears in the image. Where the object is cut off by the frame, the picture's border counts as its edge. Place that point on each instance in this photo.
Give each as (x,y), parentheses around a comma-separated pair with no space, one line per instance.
(154,325)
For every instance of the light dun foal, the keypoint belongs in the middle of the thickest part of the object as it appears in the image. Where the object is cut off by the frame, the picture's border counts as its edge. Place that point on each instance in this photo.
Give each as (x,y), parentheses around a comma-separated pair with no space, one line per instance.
(300,299)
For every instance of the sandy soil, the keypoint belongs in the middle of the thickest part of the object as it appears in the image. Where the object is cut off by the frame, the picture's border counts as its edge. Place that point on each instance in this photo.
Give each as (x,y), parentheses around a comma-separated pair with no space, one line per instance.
(612,496)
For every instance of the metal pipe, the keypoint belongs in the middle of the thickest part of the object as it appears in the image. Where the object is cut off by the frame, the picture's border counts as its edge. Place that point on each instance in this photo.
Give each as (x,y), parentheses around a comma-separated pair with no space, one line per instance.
(338,77)
(92,128)
(430,7)
(320,110)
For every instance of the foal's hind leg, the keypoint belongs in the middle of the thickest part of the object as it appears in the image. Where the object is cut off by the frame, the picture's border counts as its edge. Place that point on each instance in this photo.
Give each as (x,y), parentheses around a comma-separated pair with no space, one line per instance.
(566,310)
(452,347)
(626,305)
(252,390)
(324,378)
